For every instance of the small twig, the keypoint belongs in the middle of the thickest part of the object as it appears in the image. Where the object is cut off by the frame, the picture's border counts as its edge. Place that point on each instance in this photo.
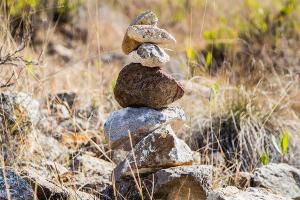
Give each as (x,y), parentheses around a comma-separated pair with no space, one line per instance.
(8,83)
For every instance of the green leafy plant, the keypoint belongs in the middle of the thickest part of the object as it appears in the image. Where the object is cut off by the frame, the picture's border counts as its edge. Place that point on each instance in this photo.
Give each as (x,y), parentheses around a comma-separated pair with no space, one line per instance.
(208,59)
(283,145)
(264,158)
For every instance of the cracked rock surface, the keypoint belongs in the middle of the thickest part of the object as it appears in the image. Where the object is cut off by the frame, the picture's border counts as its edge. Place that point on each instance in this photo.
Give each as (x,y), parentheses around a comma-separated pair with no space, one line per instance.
(139,122)
(158,150)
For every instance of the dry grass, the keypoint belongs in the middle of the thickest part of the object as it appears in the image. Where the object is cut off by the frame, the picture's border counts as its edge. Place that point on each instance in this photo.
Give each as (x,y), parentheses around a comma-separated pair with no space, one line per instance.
(232,109)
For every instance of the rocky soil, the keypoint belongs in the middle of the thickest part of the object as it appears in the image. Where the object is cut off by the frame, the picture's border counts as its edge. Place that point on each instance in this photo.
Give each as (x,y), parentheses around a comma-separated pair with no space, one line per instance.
(73,152)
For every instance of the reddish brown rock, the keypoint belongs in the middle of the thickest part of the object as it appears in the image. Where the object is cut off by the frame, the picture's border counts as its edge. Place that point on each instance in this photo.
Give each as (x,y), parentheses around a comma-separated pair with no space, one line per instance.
(139,86)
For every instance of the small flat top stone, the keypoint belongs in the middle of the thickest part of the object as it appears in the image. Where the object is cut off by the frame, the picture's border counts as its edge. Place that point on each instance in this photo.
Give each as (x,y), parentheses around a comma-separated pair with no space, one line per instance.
(139,86)
(149,55)
(145,18)
(143,29)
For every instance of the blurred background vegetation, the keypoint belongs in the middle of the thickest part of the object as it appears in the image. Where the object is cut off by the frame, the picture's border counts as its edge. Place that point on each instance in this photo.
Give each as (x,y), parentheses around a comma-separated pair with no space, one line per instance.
(239,61)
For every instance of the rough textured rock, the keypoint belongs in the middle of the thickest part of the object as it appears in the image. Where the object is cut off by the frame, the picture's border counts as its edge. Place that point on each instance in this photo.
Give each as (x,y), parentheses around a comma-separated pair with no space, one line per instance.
(45,189)
(93,173)
(149,55)
(129,45)
(158,150)
(118,155)
(146,18)
(18,113)
(139,122)
(47,147)
(233,193)
(139,86)
(149,34)
(281,178)
(18,188)
(54,181)
(183,182)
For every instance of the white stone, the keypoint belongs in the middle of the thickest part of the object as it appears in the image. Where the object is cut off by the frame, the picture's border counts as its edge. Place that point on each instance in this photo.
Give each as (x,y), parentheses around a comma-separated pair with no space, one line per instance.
(149,55)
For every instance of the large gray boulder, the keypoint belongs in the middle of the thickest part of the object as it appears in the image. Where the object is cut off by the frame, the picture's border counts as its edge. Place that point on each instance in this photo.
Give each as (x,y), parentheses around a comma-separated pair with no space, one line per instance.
(158,150)
(13,187)
(280,178)
(233,193)
(139,122)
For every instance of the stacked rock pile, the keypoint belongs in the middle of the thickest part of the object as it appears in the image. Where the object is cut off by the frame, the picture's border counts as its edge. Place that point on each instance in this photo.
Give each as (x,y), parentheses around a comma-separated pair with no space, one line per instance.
(145,125)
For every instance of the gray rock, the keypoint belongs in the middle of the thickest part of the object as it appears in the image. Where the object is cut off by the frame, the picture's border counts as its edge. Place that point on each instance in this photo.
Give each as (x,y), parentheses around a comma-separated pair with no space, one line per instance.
(78,195)
(46,147)
(93,174)
(18,111)
(182,182)
(139,122)
(145,18)
(158,150)
(18,188)
(233,193)
(149,55)
(45,188)
(149,34)
(118,155)
(95,166)
(280,178)
(18,114)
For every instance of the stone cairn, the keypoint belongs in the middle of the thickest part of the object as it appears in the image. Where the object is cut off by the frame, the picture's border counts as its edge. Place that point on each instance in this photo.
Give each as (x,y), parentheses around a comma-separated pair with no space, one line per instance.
(156,158)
